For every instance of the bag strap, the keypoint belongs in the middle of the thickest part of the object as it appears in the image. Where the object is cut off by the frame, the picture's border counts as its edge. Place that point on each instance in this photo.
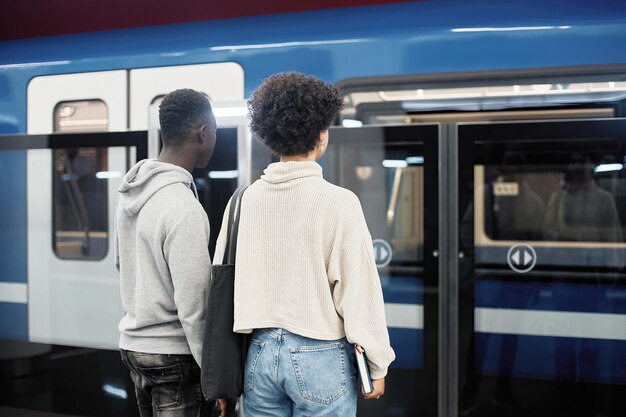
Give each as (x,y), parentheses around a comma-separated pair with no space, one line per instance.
(233,226)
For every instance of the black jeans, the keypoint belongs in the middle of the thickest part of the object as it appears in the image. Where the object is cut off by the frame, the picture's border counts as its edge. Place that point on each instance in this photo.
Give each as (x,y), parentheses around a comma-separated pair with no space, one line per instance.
(166,385)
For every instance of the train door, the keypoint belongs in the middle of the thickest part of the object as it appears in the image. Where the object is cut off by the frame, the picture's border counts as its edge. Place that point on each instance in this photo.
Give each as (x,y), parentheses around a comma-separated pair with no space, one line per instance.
(223,84)
(541,312)
(73,291)
(395,173)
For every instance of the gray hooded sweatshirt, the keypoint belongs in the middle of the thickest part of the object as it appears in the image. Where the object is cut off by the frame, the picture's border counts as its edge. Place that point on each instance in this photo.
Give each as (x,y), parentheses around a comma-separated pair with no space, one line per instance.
(162,256)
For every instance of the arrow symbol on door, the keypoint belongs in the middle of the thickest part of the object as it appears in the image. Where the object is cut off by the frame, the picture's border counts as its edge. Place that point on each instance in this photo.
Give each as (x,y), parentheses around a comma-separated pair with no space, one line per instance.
(521,257)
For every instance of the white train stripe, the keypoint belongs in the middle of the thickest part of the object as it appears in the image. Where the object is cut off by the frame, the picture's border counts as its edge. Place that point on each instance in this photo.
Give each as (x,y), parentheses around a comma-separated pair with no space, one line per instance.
(405,316)
(11,292)
(550,323)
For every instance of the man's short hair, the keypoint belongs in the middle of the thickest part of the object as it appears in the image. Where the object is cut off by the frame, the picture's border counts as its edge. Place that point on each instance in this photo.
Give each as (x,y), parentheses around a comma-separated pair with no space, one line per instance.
(180,111)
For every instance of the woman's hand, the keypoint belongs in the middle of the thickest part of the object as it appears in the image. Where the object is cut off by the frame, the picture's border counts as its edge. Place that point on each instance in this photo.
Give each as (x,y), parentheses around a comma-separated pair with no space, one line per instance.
(379,389)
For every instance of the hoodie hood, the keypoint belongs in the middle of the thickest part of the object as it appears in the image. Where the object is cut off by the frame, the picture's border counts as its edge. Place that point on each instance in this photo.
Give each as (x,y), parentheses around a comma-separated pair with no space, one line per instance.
(146,178)
(280,172)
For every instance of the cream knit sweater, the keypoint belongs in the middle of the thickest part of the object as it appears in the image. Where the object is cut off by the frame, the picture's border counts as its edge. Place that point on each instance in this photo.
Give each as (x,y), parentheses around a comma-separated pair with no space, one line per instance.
(305,262)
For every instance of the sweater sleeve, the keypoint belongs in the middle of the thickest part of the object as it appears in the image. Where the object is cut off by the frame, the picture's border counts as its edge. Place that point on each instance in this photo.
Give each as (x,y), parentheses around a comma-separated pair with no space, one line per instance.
(186,253)
(357,292)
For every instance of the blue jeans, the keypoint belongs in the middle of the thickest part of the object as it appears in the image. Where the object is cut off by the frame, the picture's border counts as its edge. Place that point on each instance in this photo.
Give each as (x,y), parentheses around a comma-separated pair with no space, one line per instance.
(288,375)
(166,385)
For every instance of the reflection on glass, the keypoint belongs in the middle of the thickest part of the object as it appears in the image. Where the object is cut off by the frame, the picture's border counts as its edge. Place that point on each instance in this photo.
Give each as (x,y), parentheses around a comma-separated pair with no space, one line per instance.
(581,211)
(548,341)
(390,187)
(513,210)
(218,180)
(573,202)
(80,203)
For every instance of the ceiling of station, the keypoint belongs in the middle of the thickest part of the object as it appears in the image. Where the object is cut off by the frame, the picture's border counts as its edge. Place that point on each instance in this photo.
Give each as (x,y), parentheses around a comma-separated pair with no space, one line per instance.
(29,18)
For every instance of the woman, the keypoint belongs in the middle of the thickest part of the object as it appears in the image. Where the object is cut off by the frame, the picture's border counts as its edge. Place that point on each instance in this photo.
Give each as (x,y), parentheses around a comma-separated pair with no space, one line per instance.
(306,283)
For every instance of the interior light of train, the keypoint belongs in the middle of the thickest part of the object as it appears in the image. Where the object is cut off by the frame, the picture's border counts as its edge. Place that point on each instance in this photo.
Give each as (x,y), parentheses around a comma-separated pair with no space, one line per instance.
(86,122)
(395,163)
(541,87)
(114,391)
(230,111)
(431,94)
(415,159)
(351,123)
(108,174)
(510,29)
(363,173)
(501,91)
(608,167)
(67,111)
(221,175)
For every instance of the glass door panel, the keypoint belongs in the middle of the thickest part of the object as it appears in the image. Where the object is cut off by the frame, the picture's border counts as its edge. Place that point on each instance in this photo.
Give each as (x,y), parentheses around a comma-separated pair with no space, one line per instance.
(394,172)
(217,182)
(542,285)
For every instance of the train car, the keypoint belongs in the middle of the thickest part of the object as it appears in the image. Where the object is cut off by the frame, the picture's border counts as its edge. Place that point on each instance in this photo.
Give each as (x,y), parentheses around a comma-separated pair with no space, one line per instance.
(485,140)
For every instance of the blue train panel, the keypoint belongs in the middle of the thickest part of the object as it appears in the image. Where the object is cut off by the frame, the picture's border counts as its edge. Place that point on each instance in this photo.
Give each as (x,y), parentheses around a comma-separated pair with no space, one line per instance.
(13,216)
(14,324)
(403,290)
(552,296)
(408,343)
(551,358)
(563,340)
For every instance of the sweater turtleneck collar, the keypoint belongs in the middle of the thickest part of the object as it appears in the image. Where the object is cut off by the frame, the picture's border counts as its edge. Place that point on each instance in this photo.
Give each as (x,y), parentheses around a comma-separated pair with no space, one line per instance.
(280,172)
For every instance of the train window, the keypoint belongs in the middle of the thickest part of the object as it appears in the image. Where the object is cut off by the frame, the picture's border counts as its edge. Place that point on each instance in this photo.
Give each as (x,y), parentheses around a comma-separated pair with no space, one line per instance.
(81,116)
(578,196)
(466,99)
(389,181)
(390,188)
(157,100)
(80,214)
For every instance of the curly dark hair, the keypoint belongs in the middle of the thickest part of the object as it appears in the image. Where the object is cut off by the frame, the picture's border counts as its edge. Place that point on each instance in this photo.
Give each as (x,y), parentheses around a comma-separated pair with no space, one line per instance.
(180,111)
(290,110)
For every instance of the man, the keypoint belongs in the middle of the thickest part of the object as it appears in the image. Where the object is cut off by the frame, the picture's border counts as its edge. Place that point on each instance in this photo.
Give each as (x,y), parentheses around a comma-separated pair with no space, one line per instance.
(163,260)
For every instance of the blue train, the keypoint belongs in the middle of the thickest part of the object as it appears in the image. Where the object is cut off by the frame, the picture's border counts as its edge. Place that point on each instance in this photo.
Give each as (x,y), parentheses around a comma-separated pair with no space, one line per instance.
(485,141)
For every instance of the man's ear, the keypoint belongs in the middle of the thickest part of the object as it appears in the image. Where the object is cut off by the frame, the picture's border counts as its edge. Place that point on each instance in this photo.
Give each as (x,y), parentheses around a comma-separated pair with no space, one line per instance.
(202,134)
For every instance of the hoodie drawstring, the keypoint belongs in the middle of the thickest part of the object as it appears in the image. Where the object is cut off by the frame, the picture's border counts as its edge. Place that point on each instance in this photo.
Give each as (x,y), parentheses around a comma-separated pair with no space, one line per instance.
(195,190)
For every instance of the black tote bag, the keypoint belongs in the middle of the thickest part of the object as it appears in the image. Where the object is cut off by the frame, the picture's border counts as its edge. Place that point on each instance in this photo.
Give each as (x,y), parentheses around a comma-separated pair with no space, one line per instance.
(224,351)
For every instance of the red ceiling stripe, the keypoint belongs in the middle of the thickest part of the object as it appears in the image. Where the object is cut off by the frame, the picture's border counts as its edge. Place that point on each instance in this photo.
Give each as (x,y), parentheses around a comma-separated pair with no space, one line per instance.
(28,18)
